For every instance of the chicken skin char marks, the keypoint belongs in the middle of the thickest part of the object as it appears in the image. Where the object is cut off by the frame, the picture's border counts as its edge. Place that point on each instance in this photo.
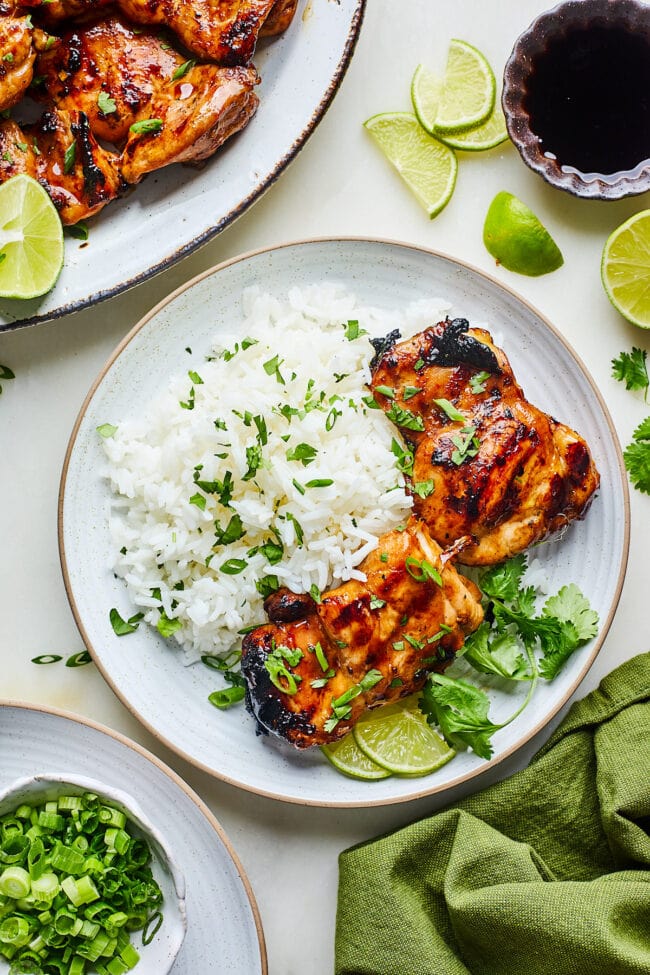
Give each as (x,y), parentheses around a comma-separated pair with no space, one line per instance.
(317,666)
(501,472)
(223,31)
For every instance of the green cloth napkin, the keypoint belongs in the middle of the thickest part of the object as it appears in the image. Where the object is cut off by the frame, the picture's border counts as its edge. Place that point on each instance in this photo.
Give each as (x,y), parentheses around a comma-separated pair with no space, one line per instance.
(545,873)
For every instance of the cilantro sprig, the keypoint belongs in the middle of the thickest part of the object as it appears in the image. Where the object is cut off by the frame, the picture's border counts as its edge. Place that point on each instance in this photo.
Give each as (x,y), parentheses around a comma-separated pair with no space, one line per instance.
(631,368)
(515,642)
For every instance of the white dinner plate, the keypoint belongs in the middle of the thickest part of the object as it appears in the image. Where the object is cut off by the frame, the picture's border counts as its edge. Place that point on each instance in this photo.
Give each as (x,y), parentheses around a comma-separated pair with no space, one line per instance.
(179,208)
(147,673)
(224,932)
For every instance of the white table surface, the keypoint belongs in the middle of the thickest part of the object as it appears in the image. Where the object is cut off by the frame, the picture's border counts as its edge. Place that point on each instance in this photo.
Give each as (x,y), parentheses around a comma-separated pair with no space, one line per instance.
(339,184)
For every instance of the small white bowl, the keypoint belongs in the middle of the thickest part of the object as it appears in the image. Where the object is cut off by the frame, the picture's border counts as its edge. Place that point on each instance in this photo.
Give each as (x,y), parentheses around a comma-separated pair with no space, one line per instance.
(156,958)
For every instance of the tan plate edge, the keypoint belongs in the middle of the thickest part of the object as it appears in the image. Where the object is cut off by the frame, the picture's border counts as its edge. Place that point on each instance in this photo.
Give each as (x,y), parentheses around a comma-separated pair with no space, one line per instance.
(177,780)
(492,763)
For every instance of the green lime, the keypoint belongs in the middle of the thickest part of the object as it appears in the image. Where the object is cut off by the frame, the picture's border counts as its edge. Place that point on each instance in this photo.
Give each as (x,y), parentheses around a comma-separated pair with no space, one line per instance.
(31,239)
(625,269)
(468,90)
(485,136)
(426,88)
(398,738)
(346,756)
(516,238)
(426,165)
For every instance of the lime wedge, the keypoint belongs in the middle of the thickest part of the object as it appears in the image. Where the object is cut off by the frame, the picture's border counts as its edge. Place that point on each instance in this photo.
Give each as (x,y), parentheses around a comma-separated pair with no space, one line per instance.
(516,239)
(426,165)
(426,89)
(485,136)
(346,756)
(398,738)
(468,90)
(31,239)
(625,269)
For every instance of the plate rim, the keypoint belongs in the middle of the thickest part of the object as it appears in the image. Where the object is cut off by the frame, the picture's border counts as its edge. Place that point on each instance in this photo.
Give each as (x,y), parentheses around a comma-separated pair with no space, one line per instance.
(233,214)
(169,772)
(602,634)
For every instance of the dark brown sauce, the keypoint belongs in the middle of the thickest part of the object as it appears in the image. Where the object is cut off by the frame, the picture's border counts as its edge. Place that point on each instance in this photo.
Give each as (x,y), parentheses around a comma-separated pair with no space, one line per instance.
(588,98)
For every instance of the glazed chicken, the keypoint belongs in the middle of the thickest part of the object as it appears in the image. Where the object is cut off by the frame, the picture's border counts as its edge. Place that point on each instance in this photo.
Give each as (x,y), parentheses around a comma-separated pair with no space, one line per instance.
(59,151)
(120,76)
(16,61)
(497,470)
(316,667)
(224,31)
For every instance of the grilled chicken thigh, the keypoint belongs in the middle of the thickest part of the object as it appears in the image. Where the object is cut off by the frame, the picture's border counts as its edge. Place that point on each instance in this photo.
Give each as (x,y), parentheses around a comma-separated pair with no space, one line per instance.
(317,666)
(17,56)
(502,472)
(120,76)
(60,152)
(224,31)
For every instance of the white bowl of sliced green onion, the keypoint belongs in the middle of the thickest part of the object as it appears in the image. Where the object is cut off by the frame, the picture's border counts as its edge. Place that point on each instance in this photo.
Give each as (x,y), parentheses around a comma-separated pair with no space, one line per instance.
(87,883)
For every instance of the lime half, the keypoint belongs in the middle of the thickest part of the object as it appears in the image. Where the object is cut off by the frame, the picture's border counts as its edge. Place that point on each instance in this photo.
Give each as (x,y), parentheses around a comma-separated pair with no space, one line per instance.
(426,165)
(31,239)
(625,269)
(517,239)
(468,90)
(398,738)
(346,756)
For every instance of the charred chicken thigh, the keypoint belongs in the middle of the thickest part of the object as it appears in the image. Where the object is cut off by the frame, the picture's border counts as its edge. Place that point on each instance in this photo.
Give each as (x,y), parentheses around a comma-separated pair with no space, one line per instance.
(123,77)
(317,666)
(224,31)
(502,472)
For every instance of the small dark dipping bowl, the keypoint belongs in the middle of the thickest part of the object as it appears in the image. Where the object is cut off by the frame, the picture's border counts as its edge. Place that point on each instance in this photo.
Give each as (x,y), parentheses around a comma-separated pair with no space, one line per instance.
(576,97)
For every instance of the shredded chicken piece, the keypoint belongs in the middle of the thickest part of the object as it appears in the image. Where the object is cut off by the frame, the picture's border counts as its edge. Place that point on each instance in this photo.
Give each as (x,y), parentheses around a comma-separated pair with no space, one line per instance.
(411,616)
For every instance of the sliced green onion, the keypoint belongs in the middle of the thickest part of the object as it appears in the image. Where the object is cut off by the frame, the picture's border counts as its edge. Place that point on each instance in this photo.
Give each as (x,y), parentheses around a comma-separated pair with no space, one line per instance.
(225,698)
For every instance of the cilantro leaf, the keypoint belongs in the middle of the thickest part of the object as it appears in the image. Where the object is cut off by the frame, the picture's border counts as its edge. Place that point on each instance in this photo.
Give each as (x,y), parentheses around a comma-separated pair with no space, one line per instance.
(503,581)
(631,368)
(637,457)
(461,712)
(501,656)
(570,606)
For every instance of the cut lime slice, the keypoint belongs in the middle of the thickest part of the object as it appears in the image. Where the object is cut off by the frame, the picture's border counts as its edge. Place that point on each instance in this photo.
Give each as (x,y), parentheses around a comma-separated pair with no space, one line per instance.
(485,136)
(398,738)
(625,269)
(468,90)
(346,756)
(426,88)
(31,239)
(426,165)
(517,239)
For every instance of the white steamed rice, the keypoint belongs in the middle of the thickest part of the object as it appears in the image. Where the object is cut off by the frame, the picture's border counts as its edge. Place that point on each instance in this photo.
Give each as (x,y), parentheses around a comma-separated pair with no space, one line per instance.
(163,523)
